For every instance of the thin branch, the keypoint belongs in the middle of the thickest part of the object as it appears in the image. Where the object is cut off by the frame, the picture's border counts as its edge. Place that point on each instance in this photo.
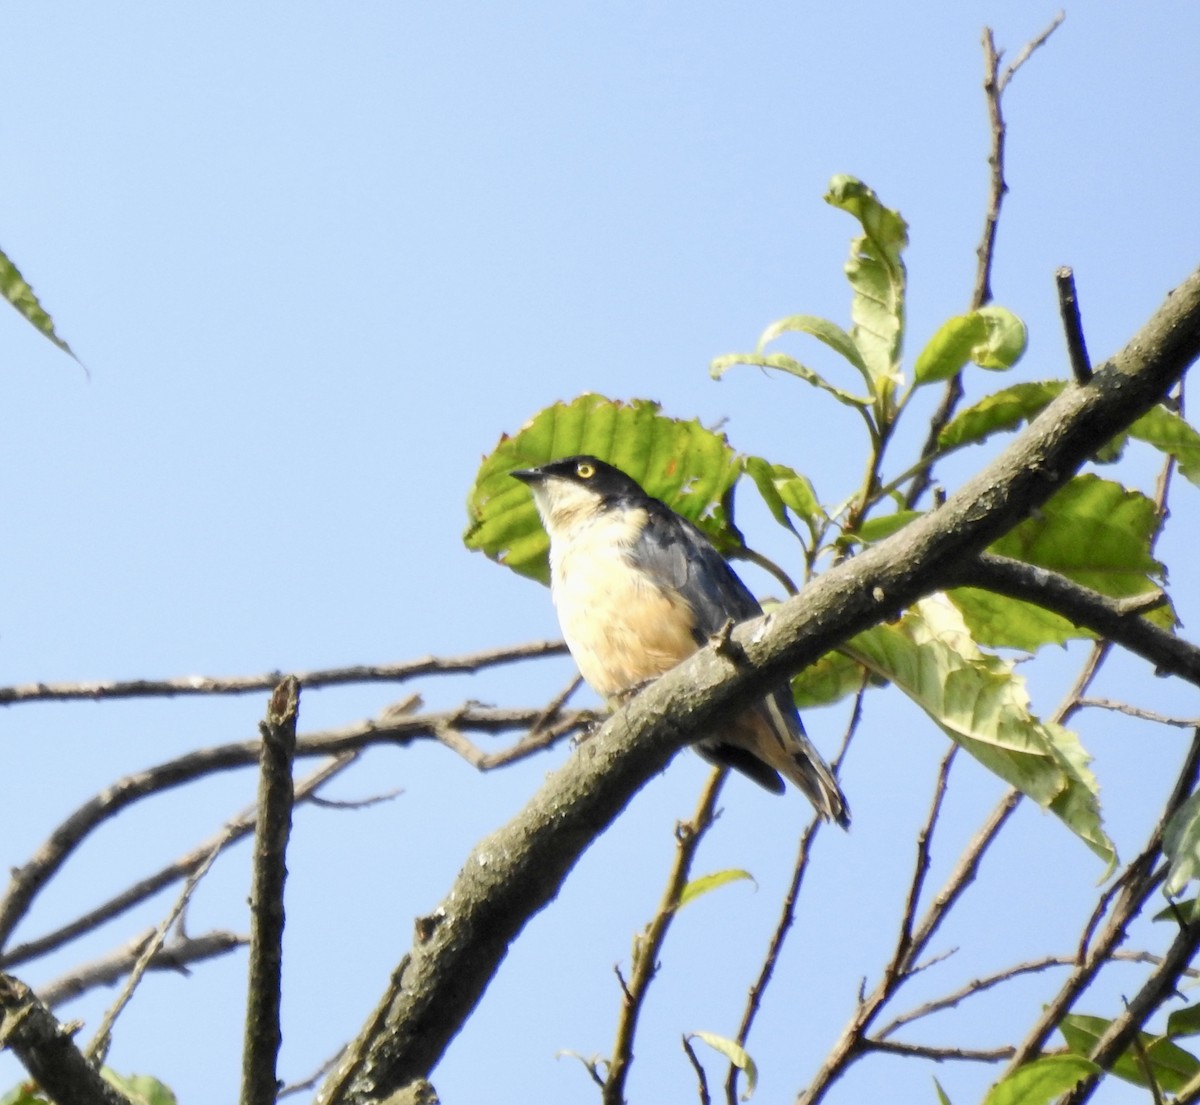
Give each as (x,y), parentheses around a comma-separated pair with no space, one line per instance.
(242,825)
(47,1051)
(1114,619)
(938,1054)
(787,915)
(698,1067)
(178,956)
(251,684)
(1068,308)
(1140,712)
(260,1049)
(648,944)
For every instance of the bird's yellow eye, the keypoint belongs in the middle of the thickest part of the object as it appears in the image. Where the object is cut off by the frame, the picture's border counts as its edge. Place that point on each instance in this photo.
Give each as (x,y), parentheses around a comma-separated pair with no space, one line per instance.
(584,470)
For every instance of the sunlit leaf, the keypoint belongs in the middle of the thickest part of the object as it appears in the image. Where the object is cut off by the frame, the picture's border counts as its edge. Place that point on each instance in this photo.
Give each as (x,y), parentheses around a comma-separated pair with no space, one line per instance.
(696,887)
(1041,1081)
(784,490)
(991,337)
(834,677)
(686,465)
(943,1099)
(1181,845)
(1170,1066)
(718,366)
(1092,531)
(981,703)
(876,273)
(1172,434)
(1184,1022)
(735,1054)
(884,525)
(141,1089)
(14,288)
(1002,411)
(823,330)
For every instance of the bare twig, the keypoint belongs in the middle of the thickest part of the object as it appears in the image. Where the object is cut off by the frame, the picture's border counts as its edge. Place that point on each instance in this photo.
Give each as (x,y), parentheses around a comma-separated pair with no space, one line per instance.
(46,1049)
(648,944)
(251,684)
(1068,307)
(181,868)
(994,84)
(787,915)
(937,1054)
(260,1049)
(1140,712)
(698,1067)
(178,955)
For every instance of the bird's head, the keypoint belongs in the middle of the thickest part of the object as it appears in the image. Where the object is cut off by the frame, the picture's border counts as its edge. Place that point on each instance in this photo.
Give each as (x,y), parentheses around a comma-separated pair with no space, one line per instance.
(574,489)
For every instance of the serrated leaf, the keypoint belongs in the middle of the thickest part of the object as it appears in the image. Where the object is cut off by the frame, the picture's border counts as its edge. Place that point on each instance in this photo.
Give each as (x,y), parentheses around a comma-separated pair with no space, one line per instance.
(877,276)
(1092,531)
(15,289)
(1171,1067)
(1000,412)
(1181,845)
(981,703)
(1172,434)
(783,489)
(736,1054)
(1041,1081)
(697,887)
(686,465)
(991,337)
(718,366)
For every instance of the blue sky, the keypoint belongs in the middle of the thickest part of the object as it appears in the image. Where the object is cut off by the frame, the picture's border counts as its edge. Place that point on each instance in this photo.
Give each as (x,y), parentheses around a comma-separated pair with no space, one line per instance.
(317,263)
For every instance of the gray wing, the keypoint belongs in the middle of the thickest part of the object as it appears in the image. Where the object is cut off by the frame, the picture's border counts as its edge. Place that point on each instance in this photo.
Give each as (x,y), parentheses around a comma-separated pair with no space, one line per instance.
(677,555)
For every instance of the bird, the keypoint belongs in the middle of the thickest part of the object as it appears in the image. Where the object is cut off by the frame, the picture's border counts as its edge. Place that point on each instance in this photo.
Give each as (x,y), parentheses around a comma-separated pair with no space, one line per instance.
(638,588)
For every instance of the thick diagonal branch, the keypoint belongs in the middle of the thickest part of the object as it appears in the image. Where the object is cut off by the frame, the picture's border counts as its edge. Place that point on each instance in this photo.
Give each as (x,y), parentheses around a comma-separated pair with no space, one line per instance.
(517,870)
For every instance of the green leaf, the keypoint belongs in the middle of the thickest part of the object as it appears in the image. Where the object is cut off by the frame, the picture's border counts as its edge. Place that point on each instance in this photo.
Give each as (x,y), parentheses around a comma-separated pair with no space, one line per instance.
(1092,531)
(1004,410)
(884,525)
(876,274)
(1172,434)
(1170,1066)
(983,706)
(991,337)
(941,1094)
(14,288)
(735,1054)
(834,677)
(1184,912)
(718,366)
(823,330)
(687,466)
(1184,1022)
(1041,1081)
(696,887)
(140,1088)
(1181,845)
(783,489)
(25,1094)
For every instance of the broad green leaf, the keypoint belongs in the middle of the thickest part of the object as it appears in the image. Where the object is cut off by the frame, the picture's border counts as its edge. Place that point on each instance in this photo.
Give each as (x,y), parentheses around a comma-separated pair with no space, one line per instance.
(687,466)
(1005,410)
(696,887)
(1172,434)
(1184,912)
(14,288)
(981,703)
(941,1094)
(783,489)
(718,366)
(1181,845)
(834,677)
(991,337)
(1170,1066)
(876,273)
(1041,1081)
(823,330)
(735,1053)
(1093,531)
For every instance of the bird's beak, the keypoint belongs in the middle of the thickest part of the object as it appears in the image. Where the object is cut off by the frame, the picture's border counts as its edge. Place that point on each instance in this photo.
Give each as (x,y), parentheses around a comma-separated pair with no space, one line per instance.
(527,475)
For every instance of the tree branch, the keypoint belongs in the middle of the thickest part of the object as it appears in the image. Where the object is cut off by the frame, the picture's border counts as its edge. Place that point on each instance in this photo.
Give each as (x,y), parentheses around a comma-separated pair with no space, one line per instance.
(260,1049)
(515,871)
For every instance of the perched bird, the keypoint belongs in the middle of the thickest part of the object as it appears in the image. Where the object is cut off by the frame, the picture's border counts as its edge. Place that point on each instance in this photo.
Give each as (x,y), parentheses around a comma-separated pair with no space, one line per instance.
(638,588)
